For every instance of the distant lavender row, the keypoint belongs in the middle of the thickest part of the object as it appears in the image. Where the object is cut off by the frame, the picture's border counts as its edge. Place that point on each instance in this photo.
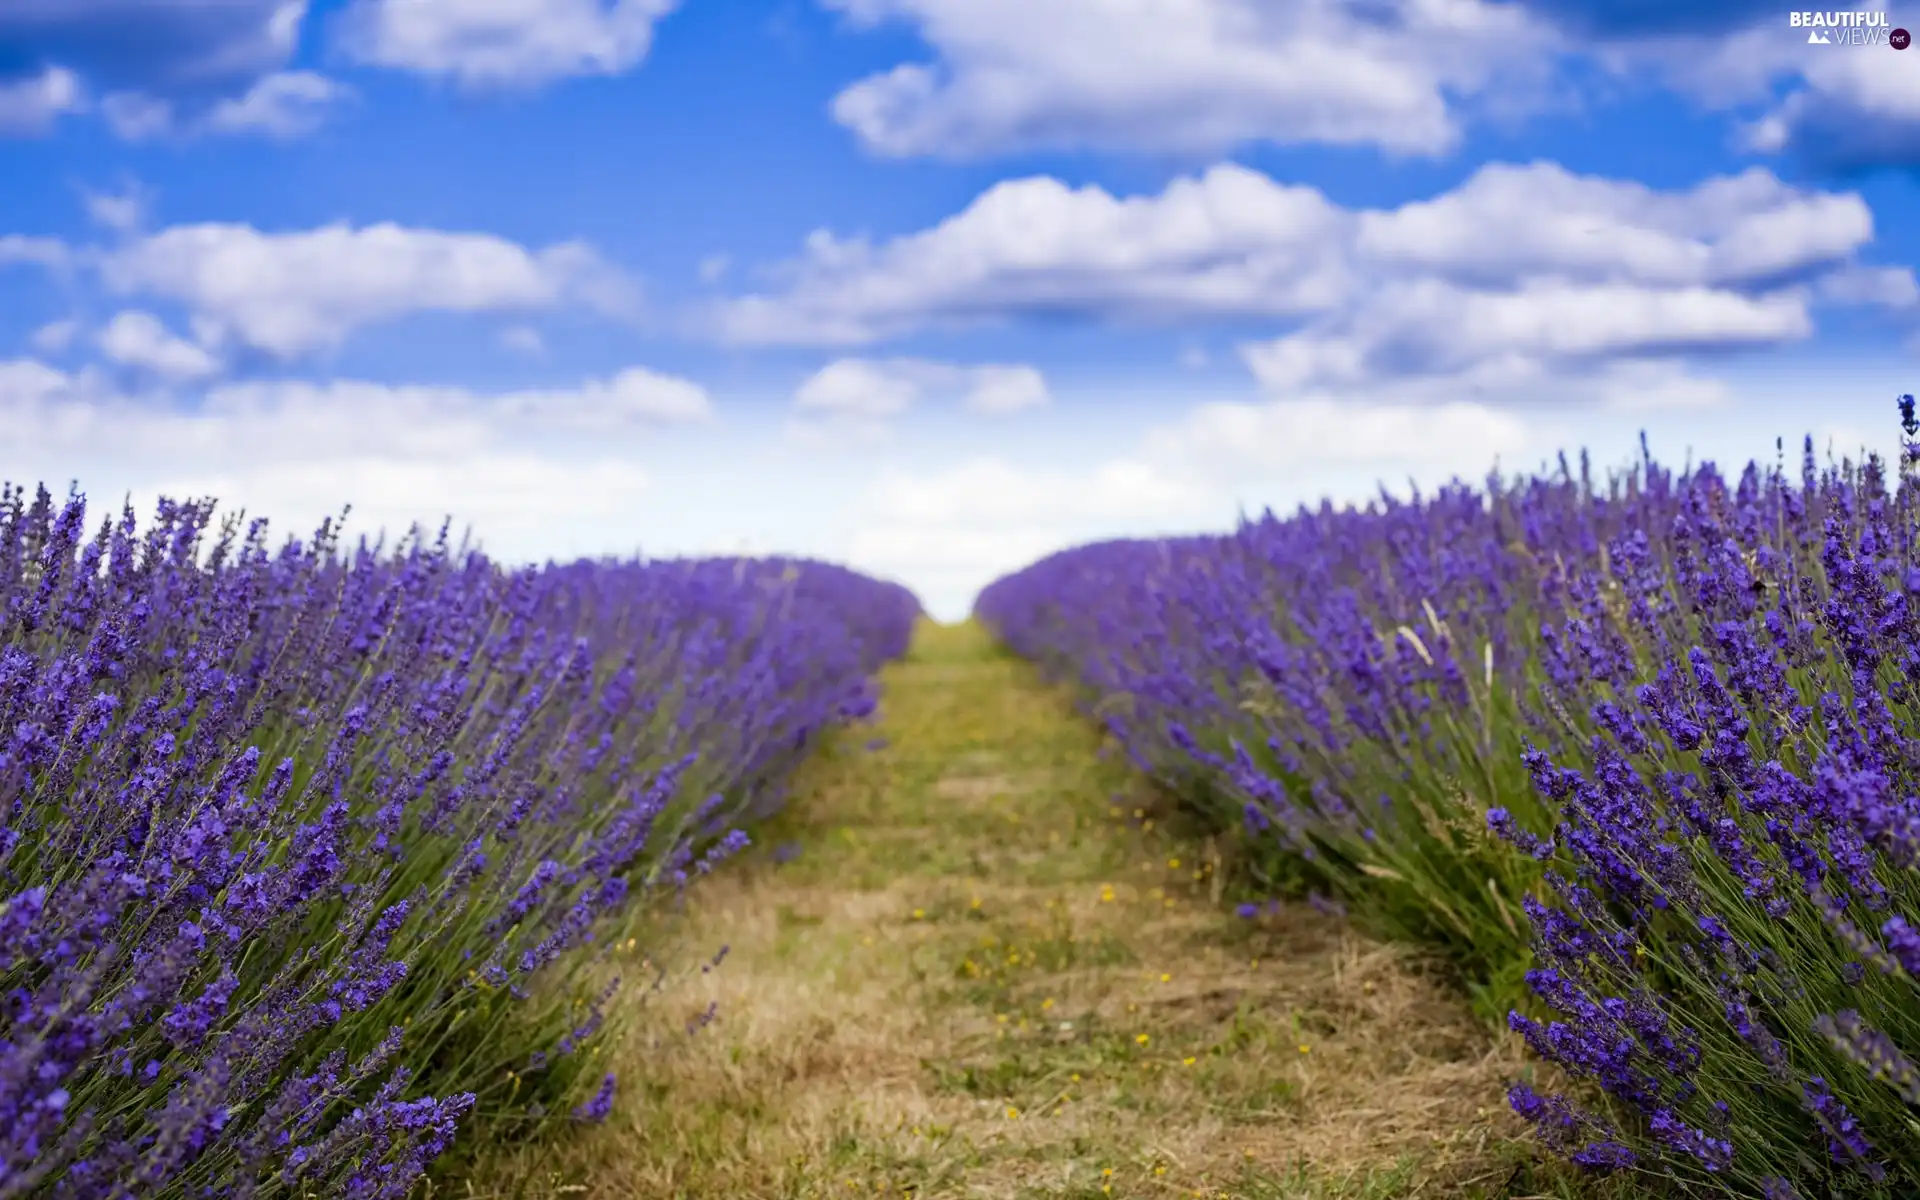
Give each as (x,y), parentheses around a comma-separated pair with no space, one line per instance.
(309,857)
(1647,749)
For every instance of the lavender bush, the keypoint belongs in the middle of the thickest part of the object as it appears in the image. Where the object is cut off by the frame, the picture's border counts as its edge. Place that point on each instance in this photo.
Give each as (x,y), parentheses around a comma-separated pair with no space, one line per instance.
(310,857)
(1650,745)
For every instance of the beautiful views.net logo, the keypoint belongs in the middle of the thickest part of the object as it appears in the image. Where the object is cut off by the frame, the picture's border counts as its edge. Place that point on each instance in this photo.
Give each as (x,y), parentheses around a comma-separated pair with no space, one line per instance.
(1849,29)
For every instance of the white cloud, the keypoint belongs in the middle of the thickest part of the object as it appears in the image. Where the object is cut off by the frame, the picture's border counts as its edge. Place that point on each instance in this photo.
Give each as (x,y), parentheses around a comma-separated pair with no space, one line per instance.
(1845,441)
(24,382)
(1510,221)
(123,212)
(1193,76)
(952,530)
(290,294)
(422,421)
(138,339)
(1231,242)
(1431,328)
(510,500)
(278,420)
(998,390)
(50,253)
(635,395)
(1241,443)
(283,105)
(286,104)
(990,491)
(54,336)
(30,105)
(1532,281)
(537,472)
(503,43)
(1857,108)
(853,387)
(1845,106)
(714,267)
(854,398)
(1887,287)
(1518,278)
(1718,68)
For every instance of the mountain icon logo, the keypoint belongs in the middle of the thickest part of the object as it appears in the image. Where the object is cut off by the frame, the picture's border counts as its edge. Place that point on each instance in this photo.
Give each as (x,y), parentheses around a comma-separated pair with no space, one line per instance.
(1819,38)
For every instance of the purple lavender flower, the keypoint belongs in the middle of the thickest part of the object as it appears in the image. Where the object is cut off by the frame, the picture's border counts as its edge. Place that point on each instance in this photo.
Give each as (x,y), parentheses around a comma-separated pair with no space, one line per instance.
(598,1109)
(1844,1141)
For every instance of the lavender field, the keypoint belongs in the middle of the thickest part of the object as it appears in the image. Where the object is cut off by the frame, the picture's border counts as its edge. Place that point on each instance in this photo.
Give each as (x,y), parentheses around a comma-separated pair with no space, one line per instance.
(343,871)
(312,854)
(1636,755)
(959,600)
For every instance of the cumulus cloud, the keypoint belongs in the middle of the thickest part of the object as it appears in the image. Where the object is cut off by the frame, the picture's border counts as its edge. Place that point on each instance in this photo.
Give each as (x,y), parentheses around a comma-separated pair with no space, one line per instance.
(1434,330)
(857,396)
(1231,242)
(140,341)
(1512,221)
(1525,273)
(1519,275)
(30,104)
(291,294)
(1201,77)
(503,43)
(1191,76)
(537,471)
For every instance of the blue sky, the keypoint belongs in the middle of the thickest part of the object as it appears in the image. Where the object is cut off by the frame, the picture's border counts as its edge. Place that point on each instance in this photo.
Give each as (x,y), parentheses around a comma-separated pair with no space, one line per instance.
(932,287)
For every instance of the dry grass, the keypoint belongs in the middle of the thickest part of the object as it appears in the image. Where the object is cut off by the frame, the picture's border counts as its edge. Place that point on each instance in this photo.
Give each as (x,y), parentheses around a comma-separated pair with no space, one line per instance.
(992,973)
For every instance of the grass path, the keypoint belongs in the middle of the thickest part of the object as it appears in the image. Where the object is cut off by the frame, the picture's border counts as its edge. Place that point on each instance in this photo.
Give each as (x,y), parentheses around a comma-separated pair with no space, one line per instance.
(990,972)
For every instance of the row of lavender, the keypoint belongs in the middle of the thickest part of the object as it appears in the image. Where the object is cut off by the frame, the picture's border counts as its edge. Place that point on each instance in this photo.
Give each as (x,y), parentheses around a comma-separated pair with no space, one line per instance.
(1640,756)
(310,856)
